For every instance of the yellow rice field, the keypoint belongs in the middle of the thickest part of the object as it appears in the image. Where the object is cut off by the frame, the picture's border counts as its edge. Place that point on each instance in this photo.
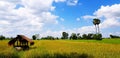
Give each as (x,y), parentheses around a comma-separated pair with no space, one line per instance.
(62,49)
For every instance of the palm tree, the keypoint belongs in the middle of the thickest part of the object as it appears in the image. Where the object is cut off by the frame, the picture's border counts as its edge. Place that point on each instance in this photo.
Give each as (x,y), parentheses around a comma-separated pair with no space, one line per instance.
(96,22)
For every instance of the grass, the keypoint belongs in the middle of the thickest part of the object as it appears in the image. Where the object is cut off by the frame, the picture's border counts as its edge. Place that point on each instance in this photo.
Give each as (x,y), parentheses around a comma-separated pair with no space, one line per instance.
(109,41)
(107,48)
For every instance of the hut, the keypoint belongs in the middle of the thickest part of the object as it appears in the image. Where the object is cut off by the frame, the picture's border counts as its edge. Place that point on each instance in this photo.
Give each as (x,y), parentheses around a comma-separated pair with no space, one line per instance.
(21,41)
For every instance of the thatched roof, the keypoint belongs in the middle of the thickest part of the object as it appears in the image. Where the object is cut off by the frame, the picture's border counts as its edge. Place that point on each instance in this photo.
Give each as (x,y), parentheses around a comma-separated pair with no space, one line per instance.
(20,37)
(26,38)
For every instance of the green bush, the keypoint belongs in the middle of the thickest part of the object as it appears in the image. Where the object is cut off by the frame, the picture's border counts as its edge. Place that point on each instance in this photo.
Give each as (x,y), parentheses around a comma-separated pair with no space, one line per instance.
(97,36)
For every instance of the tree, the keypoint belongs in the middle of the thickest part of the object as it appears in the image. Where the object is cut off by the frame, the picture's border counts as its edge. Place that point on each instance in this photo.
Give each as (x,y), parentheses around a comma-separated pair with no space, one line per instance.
(90,36)
(34,37)
(97,36)
(84,36)
(73,36)
(65,35)
(78,36)
(2,37)
(114,36)
(48,38)
(96,22)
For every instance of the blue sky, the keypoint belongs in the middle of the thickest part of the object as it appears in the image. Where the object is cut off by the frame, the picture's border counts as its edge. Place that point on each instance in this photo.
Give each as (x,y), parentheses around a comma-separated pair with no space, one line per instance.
(83,7)
(52,17)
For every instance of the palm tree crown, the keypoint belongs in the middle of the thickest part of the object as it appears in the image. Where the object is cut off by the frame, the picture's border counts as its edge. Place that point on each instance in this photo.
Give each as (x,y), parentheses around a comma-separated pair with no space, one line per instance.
(96,22)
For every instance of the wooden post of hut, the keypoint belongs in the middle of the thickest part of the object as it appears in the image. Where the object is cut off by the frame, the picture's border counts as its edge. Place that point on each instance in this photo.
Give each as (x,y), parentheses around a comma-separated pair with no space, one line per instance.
(21,41)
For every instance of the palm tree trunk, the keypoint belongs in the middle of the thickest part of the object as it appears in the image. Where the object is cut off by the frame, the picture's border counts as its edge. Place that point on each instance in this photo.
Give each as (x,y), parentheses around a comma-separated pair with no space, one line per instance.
(96,29)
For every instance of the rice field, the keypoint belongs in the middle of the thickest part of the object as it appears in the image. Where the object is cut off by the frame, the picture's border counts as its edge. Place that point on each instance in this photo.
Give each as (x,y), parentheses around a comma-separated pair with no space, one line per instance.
(107,48)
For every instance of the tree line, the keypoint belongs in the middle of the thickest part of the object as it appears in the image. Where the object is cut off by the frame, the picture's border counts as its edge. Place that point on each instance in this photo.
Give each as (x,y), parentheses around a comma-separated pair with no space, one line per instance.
(66,36)
(77,36)
(114,36)
(4,38)
(73,36)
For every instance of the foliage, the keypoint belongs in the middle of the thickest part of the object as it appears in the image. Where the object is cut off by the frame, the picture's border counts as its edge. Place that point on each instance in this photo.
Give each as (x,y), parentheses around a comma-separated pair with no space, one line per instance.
(87,36)
(5,38)
(96,22)
(97,36)
(73,36)
(49,38)
(90,36)
(84,36)
(2,37)
(78,36)
(114,36)
(64,35)
(34,37)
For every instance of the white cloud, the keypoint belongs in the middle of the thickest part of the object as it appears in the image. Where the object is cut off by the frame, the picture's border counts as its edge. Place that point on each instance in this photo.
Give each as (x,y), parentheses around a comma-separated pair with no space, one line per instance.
(88,17)
(86,29)
(51,33)
(41,5)
(53,8)
(115,33)
(81,30)
(110,16)
(49,17)
(60,0)
(3,22)
(69,2)
(110,23)
(25,20)
(72,2)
